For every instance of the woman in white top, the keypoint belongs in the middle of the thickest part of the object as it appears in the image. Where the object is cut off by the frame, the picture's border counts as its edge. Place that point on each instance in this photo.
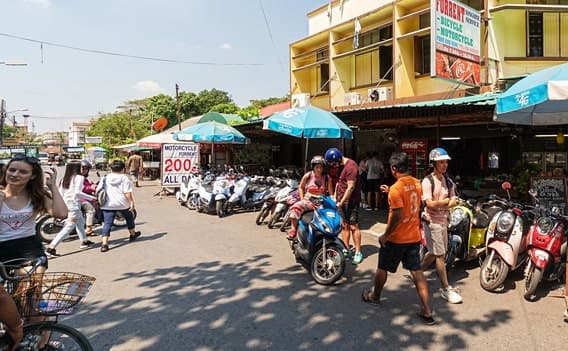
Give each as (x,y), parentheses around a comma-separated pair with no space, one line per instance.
(71,189)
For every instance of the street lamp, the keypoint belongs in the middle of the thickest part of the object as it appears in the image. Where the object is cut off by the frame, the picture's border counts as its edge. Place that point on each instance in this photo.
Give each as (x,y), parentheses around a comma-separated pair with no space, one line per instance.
(13,63)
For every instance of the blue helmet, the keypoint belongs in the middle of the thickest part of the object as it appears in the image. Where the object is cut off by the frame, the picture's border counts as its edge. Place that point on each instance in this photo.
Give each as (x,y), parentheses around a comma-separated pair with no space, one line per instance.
(333,155)
(438,154)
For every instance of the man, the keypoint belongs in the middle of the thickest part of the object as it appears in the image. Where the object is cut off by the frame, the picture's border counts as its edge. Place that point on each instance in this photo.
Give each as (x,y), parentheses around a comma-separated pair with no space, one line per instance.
(347,197)
(135,166)
(86,205)
(401,239)
(439,194)
(374,171)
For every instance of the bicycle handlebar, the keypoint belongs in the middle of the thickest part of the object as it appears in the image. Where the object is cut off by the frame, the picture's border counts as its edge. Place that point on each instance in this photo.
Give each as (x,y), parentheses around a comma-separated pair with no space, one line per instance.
(24,263)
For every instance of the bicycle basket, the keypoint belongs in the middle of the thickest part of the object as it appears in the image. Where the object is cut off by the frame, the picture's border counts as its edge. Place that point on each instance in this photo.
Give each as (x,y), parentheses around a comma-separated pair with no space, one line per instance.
(50,294)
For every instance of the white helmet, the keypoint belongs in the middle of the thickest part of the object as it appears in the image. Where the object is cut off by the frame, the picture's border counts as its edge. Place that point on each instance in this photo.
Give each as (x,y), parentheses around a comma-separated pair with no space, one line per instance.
(438,154)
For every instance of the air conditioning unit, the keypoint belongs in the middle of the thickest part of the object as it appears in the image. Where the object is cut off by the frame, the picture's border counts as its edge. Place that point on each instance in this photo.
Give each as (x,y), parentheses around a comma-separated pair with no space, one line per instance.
(380,94)
(300,100)
(352,99)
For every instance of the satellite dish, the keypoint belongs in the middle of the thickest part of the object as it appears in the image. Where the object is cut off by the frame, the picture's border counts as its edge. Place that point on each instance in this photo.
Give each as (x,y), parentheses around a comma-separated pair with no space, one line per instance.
(160,124)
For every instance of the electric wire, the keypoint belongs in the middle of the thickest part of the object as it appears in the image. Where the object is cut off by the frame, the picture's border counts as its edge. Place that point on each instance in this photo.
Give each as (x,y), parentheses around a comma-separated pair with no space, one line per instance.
(110,53)
(270,35)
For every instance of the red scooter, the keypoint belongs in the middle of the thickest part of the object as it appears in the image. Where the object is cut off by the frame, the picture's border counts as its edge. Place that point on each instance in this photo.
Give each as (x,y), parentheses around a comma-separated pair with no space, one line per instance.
(546,243)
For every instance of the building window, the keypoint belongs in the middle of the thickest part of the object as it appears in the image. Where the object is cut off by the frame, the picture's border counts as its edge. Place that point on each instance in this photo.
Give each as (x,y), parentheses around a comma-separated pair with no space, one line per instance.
(422,54)
(373,66)
(424,21)
(476,4)
(323,70)
(535,38)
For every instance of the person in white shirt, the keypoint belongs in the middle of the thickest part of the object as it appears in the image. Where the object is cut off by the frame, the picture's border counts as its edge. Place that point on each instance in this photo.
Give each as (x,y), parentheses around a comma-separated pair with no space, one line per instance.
(118,198)
(374,171)
(71,189)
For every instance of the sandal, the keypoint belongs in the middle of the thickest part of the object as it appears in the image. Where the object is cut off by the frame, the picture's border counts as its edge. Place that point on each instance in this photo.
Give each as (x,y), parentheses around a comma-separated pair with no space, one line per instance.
(428,320)
(367,299)
(291,235)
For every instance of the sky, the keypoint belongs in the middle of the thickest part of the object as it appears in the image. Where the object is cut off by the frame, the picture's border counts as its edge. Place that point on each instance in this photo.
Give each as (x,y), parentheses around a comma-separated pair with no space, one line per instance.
(244,56)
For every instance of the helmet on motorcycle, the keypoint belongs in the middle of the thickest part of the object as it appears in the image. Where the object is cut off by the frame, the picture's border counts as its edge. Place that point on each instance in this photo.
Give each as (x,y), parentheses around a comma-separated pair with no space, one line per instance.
(317,160)
(438,154)
(333,155)
(86,164)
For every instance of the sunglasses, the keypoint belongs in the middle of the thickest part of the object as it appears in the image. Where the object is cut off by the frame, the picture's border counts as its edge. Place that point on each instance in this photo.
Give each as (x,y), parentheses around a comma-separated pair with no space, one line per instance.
(23,157)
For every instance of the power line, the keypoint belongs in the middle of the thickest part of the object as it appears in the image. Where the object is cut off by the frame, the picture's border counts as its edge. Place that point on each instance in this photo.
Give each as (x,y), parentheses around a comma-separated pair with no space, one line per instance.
(148,58)
(63,117)
(270,35)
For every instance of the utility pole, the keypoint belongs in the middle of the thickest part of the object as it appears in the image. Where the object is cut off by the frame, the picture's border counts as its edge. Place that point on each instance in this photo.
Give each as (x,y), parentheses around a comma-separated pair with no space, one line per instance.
(177,107)
(2,116)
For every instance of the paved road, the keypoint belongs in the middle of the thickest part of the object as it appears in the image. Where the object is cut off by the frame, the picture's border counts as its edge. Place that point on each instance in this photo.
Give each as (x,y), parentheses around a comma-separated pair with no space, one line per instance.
(196,282)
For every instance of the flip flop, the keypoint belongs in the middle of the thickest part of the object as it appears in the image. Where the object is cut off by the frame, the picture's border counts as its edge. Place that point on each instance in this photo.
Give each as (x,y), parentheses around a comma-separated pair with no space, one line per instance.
(365,298)
(428,320)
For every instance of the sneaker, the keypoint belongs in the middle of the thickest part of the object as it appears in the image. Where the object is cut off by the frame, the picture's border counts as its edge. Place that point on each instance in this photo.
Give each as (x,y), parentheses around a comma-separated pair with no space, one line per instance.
(134,236)
(347,254)
(85,244)
(104,248)
(451,295)
(368,209)
(357,258)
(51,252)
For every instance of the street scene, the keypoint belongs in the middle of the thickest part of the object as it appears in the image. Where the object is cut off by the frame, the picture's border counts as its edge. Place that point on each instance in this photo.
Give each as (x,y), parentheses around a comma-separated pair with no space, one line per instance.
(283,175)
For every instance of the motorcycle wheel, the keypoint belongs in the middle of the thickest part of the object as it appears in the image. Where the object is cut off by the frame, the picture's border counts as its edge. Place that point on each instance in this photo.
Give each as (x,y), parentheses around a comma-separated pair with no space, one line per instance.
(191,203)
(275,217)
(178,197)
(285,222)
(262,215)
(48,228)
(492,277)
(120,221)
(220,208)
(534,276)
(328,272)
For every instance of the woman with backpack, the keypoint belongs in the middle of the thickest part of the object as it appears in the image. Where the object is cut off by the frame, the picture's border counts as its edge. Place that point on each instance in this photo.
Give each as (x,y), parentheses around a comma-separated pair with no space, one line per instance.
(313,185)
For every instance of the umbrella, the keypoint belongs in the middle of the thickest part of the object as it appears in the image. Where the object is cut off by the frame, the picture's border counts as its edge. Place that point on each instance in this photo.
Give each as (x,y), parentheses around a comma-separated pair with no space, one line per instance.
(211,132)
(155,141)
(308,122)
(540,98)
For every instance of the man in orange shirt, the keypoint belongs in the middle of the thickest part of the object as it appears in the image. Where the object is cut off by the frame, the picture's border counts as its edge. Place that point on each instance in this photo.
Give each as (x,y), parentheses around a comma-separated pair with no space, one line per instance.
(401,239)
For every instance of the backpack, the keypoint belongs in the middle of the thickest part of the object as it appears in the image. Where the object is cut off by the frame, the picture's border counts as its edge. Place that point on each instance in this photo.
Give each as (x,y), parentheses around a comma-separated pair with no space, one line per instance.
(101,193)
(430,177)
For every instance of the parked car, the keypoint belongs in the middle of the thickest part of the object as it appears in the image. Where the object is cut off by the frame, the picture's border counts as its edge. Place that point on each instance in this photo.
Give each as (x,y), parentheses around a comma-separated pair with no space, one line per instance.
(43,158)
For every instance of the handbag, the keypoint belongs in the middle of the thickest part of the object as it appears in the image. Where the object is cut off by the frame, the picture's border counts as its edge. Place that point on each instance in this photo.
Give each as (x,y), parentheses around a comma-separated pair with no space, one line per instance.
(101,193)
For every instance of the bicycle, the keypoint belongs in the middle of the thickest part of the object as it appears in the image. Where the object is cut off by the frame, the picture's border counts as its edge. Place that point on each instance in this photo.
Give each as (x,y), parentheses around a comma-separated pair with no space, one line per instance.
(46,296)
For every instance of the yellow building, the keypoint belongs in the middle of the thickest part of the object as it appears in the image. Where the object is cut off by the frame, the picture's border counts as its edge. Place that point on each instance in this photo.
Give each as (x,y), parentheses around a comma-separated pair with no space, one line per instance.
(393,51)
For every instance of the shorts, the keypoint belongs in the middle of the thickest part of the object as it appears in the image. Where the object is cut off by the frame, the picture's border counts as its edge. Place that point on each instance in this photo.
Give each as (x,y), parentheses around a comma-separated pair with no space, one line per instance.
(28,248)
(350,214)
(436,238)
(391,254)
(373,185)
(134,174)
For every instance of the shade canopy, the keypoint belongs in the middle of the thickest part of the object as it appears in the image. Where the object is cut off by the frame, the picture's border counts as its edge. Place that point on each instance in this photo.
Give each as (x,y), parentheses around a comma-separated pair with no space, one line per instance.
(155,141)
(308,122)
(211,133)
(539,99)
(224,118)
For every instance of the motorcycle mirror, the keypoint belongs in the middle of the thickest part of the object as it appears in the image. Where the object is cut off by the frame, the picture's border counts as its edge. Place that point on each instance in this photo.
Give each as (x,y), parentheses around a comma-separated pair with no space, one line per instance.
(533,192)
(506,186)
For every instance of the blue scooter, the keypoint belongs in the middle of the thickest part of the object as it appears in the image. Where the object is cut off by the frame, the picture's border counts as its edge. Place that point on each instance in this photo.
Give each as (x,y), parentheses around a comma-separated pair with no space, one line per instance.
(317,245)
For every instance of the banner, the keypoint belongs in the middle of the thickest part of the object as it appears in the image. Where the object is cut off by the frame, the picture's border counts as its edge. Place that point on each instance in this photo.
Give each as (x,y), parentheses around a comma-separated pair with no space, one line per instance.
(177,163)
(455,34)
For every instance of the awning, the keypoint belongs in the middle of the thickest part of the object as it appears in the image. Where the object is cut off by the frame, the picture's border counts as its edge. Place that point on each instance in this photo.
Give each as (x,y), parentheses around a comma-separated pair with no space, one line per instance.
(224,118)
(73,149)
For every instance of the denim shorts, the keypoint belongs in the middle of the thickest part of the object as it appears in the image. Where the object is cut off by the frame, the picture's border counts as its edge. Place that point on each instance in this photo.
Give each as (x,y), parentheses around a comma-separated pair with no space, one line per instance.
(391,254)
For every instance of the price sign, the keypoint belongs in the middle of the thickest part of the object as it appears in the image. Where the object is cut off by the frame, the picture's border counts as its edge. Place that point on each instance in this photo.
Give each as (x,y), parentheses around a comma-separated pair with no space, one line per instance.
(177,162)
(551,191)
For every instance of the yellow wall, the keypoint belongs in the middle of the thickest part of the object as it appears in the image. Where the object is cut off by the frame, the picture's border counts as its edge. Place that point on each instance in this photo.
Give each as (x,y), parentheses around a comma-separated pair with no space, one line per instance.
(509,27)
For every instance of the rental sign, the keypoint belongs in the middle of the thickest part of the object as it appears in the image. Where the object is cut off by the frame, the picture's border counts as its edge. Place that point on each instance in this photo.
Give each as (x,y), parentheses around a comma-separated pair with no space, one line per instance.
(456,39)
(177,162)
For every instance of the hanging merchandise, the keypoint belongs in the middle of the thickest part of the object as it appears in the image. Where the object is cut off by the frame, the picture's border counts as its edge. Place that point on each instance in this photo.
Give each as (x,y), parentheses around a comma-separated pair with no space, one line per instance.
(356,34)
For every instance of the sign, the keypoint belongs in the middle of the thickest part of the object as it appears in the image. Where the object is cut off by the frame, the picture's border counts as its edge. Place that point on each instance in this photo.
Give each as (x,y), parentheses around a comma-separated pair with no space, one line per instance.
(413,145)
(456,42)
(177,162)
(6,152)
(551,191)
(93,140)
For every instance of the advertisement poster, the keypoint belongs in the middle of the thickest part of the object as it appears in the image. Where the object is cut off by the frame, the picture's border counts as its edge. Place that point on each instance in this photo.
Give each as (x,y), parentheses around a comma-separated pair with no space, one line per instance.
(177,162)
(456,38)
(7,152)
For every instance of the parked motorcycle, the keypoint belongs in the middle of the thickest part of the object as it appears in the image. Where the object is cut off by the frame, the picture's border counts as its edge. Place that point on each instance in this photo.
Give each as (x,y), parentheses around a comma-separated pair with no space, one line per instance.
(213,193)
(47,226)
(292,198)
(245,195)
(187,193)
(268,204)
(505,244)
(282,203)
(317,245)
(546,243)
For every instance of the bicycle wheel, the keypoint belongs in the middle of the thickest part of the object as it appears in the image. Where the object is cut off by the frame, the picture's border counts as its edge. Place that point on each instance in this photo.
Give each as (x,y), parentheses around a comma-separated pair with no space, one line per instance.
(60,336)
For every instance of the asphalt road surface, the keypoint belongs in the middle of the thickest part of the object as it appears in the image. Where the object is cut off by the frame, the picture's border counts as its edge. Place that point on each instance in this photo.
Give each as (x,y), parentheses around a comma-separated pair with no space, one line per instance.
(196,282)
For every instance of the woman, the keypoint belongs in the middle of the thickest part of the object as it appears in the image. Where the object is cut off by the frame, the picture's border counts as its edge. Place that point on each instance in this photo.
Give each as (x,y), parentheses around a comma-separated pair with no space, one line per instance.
(22,198)
(86,203)
(119,197)
(71,190)
(313,184)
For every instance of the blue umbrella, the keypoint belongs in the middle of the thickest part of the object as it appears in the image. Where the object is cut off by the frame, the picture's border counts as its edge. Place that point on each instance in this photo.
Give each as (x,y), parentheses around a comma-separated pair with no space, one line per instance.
(211,132)
(540,98)
(308,122)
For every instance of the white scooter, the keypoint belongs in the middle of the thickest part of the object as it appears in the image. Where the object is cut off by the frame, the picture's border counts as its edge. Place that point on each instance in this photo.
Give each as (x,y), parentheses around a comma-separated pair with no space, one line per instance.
(187,195)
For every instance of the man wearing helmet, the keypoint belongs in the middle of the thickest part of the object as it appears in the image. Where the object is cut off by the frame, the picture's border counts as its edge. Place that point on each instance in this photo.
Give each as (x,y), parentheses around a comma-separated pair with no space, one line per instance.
(312,185)
(347,197)
(86,205)
(438,194)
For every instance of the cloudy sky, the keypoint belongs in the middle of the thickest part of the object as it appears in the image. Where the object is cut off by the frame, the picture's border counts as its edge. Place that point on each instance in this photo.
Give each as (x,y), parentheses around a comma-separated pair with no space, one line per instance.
(213,44)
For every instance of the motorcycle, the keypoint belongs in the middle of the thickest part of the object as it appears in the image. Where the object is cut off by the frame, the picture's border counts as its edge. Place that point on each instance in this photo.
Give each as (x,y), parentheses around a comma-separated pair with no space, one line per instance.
(317,245)
(187,193)
(291,199)
(282,204)
(546,243)
(213,194)
(47,226)
(505,244)
(268,204)
(246,196)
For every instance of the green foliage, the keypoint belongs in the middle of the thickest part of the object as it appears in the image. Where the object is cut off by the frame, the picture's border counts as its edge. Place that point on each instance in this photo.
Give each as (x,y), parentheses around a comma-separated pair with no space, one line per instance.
(231,108)
(269,101)
(522,173)
(206,99)
(249,112)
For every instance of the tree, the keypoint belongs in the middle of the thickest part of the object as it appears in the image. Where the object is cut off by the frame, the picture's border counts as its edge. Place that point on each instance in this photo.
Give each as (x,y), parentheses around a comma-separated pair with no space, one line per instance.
(231,108)
(118,128)
(249,112)
(206,99)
